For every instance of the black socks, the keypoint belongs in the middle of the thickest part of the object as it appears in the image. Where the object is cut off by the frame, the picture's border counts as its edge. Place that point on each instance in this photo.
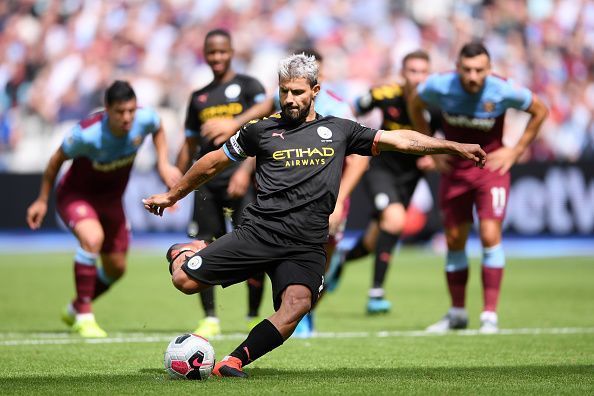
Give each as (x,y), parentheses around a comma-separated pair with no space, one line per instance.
(207,299)
(262,339)
(383,253)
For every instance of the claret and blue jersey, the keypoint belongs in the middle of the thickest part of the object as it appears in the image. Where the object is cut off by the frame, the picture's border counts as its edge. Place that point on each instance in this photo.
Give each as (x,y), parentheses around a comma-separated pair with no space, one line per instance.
(474,118)
(101,160)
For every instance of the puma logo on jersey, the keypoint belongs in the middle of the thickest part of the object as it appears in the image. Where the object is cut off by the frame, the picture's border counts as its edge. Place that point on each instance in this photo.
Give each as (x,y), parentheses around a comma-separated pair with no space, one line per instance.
(274,134)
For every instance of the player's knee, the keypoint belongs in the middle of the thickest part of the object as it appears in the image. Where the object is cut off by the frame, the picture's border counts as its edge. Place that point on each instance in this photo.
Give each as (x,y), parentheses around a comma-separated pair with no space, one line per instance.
(297,301)
(92,243)
(393,219)
(490,233)
(392,226)
(183,283)
(455,241)
(490,239)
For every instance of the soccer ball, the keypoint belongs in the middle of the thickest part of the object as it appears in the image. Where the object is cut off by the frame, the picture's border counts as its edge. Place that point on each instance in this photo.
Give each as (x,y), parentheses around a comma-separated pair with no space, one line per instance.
(189,356)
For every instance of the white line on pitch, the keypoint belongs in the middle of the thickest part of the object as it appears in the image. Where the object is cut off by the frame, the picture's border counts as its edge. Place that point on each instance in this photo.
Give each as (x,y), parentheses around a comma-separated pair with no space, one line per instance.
(124,338)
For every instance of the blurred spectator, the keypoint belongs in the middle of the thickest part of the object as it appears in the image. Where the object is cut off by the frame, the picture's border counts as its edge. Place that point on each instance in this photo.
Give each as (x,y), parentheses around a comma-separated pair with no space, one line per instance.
(56,57)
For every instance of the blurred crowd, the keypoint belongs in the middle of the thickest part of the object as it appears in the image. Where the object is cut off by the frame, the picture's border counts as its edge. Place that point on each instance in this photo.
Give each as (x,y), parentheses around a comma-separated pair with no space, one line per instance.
(57,56)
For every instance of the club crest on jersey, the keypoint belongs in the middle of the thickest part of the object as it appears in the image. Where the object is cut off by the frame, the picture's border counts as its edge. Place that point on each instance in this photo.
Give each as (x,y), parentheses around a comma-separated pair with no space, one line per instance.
(325,133)
(489,107)
(195,262)
(232,91)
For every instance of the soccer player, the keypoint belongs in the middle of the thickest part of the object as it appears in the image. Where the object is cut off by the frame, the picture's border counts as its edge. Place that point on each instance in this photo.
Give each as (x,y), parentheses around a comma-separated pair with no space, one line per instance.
(473,102)
(89,196)
(299,157)
(220,201)
(327,104)
(391,179)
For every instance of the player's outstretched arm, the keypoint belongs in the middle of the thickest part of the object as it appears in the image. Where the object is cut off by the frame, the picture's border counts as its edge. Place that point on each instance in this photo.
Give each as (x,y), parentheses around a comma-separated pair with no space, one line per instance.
(413,142)
(202,171)
(37,210)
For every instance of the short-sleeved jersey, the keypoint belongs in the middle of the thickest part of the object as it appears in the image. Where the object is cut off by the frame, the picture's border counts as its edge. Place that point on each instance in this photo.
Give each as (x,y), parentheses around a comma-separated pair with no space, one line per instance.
(298,170)
(220,101)
(473,118)
(391,101)
(101,161)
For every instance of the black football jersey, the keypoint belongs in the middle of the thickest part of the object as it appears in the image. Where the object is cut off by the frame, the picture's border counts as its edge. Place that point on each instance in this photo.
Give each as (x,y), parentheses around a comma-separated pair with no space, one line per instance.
(220,101)
(390,100)
(298,170)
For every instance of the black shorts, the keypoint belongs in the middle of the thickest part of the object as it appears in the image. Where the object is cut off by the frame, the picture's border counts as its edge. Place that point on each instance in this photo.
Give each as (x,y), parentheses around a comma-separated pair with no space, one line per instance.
(241,254)
(386,188)
(213,210)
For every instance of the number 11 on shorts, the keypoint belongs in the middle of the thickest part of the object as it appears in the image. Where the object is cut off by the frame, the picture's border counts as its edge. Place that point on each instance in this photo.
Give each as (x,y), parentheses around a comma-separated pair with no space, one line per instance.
(498,199)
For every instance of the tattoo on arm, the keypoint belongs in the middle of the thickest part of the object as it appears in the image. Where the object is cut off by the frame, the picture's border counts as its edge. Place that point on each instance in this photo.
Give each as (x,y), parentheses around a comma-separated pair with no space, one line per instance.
(415,145)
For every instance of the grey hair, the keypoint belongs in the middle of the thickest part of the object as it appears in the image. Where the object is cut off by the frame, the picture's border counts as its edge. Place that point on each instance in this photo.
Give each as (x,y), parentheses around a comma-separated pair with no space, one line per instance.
(299,66)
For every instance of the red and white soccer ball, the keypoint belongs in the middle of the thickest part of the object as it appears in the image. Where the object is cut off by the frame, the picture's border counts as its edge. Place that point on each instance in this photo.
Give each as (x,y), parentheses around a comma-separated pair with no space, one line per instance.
(189,356)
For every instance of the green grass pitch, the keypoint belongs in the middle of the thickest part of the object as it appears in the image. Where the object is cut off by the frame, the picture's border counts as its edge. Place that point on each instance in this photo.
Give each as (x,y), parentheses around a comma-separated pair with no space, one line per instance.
(546,308)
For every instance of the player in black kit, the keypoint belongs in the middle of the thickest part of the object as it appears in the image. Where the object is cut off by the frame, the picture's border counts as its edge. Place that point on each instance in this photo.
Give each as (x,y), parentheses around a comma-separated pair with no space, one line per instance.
(390,181)
(219,203)
(299,157)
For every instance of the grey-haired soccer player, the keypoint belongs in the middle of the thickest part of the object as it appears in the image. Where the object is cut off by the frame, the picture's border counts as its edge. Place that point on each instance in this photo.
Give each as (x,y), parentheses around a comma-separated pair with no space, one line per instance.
(299,157)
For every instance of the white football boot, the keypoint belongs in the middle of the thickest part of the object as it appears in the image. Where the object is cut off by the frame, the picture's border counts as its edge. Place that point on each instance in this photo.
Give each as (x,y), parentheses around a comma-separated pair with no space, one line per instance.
(455,319)
(488,323)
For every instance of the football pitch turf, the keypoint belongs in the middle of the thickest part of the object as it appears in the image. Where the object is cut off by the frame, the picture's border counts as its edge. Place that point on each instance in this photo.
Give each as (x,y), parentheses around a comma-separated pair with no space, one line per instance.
(546,346)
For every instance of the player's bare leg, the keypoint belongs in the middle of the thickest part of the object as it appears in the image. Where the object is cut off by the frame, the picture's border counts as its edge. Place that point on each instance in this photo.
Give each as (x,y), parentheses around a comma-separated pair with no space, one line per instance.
(493,262)
(268,334)
(79,313)
(457,277)
(391,225)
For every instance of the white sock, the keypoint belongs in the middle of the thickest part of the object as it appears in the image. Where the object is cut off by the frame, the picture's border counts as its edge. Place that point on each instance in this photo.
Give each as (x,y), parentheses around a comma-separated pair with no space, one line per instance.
(376,292)
(85,316)
(456,311)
